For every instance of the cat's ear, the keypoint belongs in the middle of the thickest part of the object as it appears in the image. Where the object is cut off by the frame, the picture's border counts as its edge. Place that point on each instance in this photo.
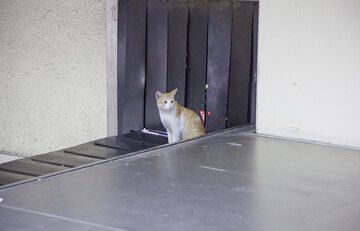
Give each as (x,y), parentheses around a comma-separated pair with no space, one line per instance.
(173,92)
(158,94)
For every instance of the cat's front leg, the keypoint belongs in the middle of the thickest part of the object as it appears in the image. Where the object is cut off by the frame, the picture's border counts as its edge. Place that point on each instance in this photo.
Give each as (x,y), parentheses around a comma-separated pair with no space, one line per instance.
(176,136)
(170,136)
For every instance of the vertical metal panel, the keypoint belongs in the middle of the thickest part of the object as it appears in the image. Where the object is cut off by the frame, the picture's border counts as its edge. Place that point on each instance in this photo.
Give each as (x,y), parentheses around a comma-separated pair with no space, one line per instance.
(254,64)
(121,54)
(219,40)
(156,60)
(177,43)
(240,64)
(197,55)
(133,86)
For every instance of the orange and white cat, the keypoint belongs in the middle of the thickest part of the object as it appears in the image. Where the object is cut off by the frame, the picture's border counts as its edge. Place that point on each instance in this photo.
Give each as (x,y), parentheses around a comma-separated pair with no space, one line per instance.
(180,122)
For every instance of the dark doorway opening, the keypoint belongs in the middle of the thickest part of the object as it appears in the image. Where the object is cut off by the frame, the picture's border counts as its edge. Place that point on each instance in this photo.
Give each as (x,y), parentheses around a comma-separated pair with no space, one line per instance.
(205,49)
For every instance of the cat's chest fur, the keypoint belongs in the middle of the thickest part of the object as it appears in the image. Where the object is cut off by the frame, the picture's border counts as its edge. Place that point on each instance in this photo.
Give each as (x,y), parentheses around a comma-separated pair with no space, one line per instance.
(169,119)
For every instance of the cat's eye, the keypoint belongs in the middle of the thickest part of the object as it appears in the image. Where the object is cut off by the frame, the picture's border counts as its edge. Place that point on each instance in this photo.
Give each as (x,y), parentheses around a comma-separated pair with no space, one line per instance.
(172,101)
(165,101)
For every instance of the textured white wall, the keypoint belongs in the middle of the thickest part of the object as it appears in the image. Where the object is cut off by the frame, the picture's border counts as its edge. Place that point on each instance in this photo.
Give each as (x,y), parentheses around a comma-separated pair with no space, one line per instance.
(52,74)
(309,70)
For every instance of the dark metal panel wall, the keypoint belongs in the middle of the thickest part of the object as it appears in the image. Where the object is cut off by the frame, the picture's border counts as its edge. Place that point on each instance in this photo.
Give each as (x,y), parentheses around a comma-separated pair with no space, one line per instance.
(197,55)
(156,60)
(219,40)
(207,49)
(121,57)
(134,81)
(240,71)
(177,42)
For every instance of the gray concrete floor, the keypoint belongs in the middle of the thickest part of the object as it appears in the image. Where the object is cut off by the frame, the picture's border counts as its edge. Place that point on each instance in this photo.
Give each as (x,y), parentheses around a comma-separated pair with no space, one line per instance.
(229,181)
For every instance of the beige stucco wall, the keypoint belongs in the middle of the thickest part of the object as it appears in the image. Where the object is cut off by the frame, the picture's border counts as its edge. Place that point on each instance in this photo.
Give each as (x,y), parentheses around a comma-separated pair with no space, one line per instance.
(309,72)
(52,74)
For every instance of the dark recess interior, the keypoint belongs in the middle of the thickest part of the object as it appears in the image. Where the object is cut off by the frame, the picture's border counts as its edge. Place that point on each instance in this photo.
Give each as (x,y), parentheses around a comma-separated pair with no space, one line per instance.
(205,49)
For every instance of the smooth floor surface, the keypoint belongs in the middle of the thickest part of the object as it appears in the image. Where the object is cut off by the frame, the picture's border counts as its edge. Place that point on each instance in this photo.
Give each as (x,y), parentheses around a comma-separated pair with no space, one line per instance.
(228,181)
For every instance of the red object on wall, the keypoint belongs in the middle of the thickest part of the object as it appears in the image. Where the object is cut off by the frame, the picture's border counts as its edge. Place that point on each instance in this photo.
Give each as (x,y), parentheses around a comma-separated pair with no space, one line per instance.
(202,116)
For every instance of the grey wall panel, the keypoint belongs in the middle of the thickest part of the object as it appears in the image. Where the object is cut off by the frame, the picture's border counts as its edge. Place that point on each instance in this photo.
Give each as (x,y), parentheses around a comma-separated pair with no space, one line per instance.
(240,64)
(121,56)
(156,60)
(177,44)
(134,84)
(197,55)
(219,40)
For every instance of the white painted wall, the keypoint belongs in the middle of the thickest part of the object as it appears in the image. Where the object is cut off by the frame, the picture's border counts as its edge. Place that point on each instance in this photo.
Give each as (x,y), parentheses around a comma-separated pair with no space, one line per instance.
(309,70)
(52,74)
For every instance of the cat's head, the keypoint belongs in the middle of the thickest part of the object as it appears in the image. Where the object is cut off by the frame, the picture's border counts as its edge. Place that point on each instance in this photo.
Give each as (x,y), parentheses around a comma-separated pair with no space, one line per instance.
(166,101)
